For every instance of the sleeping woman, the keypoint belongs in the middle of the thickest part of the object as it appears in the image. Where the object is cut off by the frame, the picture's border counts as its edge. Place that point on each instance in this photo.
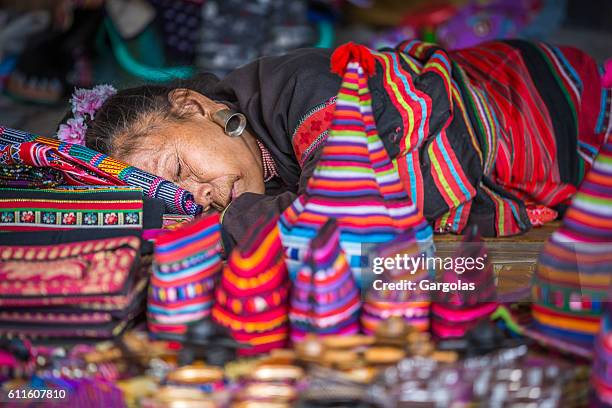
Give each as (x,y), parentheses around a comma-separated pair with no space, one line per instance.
(480,136)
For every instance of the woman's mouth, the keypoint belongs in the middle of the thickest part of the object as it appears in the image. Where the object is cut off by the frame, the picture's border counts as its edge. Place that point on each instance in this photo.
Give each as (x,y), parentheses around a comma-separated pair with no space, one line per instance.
(224,192)
(233,193)
(217,207)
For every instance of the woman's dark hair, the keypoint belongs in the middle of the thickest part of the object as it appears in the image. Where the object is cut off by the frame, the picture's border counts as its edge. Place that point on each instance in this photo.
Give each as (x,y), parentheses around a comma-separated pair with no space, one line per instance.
(135,112)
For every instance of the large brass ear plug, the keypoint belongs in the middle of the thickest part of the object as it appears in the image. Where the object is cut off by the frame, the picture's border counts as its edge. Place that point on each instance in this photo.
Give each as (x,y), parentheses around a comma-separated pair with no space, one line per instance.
(232,122)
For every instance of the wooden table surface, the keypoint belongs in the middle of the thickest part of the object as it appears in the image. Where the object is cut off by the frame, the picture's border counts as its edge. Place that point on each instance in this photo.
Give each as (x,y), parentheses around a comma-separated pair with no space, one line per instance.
(539,234)
(514,258)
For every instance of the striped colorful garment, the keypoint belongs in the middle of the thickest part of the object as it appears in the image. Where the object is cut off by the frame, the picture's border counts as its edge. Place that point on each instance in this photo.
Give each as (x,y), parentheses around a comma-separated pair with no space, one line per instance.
(55,209)
(382,302)
(83,166)
(478,133)
(572,277)
(354,182)
(325,298)
(457,311)
(252,298)
(601,374)
(187,263)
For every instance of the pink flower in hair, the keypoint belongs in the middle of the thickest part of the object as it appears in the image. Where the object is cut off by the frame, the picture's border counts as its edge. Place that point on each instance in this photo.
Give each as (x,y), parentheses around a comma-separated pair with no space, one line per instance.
(88,101)
(84,102)
(73,131)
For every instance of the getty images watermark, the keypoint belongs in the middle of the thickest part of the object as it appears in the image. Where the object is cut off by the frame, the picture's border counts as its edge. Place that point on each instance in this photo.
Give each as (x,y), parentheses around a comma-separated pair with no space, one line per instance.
(404,264)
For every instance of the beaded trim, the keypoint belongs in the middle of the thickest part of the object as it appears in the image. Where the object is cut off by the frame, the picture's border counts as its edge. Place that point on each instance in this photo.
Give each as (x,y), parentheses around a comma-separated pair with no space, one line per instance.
(269,166)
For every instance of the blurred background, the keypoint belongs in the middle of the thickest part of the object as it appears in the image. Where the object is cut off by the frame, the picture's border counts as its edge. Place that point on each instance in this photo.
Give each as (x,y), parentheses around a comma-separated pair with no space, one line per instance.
(47,47)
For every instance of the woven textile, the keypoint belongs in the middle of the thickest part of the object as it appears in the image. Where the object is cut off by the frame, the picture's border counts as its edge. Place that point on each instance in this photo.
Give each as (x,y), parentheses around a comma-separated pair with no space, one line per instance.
(49,209)
(383,302)
(457,311)
(83,166)
(325,298)
(479,133)
(354,182)
(186,266)
(86,391)
(73,289)
(253,294)
(573,272)
(540,106)
(29,271)
(601,379)
(23,176)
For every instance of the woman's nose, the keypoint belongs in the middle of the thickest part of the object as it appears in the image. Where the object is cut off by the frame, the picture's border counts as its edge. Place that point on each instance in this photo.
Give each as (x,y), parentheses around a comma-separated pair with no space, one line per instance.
(204,195)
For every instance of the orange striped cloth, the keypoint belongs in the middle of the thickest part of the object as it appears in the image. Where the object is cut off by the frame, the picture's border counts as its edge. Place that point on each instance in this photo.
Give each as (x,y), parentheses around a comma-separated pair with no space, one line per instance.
(252,296)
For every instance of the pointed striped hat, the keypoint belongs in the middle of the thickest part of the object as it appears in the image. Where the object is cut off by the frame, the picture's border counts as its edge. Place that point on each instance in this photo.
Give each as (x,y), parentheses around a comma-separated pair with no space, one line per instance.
(571,282)
(252,297)
(187,262)
(325,298)
(354,181)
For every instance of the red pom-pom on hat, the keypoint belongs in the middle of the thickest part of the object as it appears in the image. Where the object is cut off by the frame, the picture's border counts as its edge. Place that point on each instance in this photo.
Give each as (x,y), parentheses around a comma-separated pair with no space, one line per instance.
(353,52)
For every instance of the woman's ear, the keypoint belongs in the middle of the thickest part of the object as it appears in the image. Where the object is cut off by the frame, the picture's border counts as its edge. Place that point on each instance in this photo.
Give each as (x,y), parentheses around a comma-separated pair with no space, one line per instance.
(188,102)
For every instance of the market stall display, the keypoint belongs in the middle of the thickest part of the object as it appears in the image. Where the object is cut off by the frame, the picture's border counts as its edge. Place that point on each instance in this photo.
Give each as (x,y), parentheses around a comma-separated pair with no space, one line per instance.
(290,317)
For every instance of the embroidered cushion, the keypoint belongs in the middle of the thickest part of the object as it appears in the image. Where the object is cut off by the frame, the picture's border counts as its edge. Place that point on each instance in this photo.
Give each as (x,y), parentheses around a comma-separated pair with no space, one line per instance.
(83,166)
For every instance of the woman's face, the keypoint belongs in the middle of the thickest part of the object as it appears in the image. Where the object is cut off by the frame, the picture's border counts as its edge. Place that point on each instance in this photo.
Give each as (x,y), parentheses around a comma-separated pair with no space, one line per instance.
(196,154)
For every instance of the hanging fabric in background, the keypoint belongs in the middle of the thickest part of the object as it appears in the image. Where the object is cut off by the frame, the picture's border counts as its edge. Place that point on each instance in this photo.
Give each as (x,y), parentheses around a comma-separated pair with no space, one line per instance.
(262,27)
(130,17)
(60,57)
(17,28)
(180,22)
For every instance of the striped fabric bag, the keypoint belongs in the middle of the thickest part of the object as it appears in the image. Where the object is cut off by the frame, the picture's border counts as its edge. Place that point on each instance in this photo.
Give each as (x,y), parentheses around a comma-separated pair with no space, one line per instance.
(570,286)
(354,182)
(411,305)
(457,311)
(601,379)
(325,298)
(252,297)
(186,266)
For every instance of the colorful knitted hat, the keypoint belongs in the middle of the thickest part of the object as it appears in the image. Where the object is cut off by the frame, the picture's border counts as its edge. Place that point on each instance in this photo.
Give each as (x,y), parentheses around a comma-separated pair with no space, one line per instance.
(253,294)
(354,182)
(461,308)
(325,298)
(186,265)
(383,302)
(574,269)
(601,379)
